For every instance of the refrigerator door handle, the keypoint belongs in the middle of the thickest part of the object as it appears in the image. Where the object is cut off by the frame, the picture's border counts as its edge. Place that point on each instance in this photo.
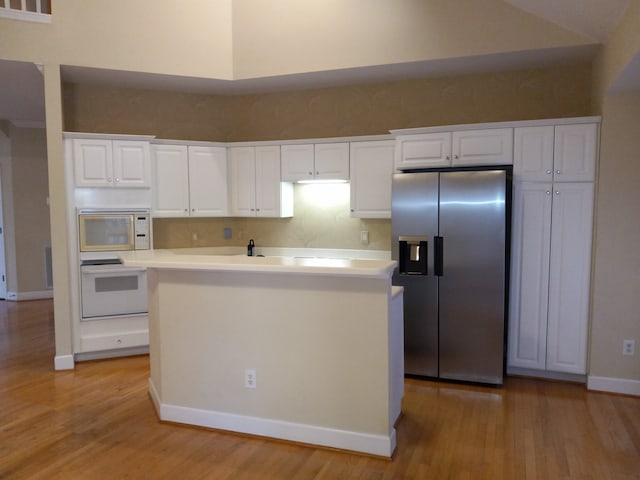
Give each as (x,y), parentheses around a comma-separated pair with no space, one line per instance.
(438,256)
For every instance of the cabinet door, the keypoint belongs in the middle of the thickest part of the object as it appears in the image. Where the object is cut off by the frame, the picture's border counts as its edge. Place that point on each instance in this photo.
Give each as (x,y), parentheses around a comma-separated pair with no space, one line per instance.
(268,186)
(423,150)
(208,181)
(569,275)
(170,181)
(242,175)
(575,153)
(530,247)
(492,146)
(131,163)
(533,154)
(297,162)
(93,163)
(371,165)
(331,161)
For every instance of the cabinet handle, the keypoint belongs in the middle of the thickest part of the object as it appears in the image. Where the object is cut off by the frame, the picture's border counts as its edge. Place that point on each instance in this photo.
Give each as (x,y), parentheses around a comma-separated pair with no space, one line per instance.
(558,172)
(548,172)
(117,180)
(257,209)
(317,173)
(193,209)
(447,157)
(311,174)
(557,192)
(109,179)
(548,192)
(455,157)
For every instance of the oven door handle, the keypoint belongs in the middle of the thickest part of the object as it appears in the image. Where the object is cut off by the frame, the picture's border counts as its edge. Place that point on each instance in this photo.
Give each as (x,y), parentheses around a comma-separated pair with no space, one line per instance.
(97,270)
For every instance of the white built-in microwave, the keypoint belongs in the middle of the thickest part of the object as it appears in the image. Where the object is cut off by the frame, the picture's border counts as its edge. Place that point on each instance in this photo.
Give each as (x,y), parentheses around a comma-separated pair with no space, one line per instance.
(113,230)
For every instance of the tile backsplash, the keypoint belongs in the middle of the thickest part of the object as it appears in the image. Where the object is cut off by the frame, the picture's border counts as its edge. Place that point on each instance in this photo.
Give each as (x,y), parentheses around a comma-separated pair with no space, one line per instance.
(321,220)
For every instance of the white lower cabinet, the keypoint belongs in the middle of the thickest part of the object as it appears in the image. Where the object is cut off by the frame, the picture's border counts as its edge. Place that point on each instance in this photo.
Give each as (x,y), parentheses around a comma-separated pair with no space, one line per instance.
(255,186)
(189,181)
(550,276)
(371,170)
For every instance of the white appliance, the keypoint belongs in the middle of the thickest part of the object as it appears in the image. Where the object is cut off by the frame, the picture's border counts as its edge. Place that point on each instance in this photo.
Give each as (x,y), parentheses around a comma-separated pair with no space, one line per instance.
(113,230)
(108,288)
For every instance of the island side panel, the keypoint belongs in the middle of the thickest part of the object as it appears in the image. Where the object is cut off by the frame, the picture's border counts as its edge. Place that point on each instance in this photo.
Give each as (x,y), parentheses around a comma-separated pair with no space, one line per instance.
(319,346)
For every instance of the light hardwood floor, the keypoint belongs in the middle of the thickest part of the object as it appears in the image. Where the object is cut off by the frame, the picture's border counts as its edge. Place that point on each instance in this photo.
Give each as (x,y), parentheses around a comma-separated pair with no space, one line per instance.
(97,422)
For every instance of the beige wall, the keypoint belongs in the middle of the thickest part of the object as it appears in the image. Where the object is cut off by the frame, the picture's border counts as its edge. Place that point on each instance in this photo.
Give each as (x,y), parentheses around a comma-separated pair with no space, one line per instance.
(289,36)
(616,283)
(31,212)
(6,176)
(157,36)
(226,39)
(340,111)
(621,49)
(26,213)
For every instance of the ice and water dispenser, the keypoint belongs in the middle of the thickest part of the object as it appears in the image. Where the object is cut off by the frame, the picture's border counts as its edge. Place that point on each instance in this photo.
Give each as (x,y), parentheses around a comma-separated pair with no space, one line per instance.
(412,255)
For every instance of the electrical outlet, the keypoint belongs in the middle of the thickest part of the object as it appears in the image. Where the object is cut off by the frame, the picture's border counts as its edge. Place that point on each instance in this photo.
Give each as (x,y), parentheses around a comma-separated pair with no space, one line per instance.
(628,347)
(249,378)
(364,237)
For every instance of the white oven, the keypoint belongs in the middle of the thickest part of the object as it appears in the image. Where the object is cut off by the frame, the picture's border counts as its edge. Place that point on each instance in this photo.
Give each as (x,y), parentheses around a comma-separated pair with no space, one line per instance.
(107,287)
(110,289)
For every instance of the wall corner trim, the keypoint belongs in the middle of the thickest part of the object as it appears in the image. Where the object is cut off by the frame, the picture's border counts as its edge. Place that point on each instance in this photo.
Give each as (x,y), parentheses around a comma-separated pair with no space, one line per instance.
(63,362)
(624,386)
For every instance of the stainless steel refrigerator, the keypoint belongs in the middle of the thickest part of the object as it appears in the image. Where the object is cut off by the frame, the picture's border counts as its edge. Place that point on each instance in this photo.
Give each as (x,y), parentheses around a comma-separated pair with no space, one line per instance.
(450,236)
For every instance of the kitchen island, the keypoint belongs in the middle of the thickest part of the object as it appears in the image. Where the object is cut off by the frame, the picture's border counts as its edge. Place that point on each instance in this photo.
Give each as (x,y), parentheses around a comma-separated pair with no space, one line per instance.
(302,349)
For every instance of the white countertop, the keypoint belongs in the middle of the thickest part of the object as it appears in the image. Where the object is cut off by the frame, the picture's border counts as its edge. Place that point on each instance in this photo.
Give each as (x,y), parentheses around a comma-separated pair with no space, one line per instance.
(308,264)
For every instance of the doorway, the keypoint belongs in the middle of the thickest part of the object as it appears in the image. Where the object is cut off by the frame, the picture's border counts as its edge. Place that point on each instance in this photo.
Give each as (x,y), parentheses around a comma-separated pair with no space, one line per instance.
(3,271)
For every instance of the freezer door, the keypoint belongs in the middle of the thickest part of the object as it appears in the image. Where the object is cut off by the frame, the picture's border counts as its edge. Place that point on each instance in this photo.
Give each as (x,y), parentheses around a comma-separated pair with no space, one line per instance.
(415,215)
(473,227)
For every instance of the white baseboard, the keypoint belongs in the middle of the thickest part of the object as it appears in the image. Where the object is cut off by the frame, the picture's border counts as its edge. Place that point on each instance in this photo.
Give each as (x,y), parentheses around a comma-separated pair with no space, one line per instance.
(372,444)
(614,385)
(63,362)
(35,295)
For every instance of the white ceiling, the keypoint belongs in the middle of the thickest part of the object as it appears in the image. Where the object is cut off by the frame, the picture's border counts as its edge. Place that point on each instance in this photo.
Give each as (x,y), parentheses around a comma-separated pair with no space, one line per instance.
(22,97)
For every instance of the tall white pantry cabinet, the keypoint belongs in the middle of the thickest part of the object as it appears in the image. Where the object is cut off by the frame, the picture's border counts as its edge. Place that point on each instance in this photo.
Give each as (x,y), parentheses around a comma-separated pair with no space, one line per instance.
(553,198)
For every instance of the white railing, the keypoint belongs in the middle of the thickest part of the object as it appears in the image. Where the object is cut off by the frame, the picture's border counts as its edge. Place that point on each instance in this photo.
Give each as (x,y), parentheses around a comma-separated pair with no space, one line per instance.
(29,10)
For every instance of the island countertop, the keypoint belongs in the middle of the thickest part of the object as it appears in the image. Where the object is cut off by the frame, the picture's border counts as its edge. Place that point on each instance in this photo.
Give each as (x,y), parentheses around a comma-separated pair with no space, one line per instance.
(305,265)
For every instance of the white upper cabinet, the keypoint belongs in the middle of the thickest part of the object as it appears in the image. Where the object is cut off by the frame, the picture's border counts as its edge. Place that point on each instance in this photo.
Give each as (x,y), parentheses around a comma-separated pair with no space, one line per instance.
(371,165)
(256,189)
(492,146)
(208,181)
(321,161)
(331,161)
(564,153)
(575,153)
(111,163)
(170,181)
(189,181)
(423,150)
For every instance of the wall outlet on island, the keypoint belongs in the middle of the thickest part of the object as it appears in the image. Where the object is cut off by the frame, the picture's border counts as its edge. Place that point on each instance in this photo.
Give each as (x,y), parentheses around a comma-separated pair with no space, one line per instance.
(249,378)
(364,237)
(628,347)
